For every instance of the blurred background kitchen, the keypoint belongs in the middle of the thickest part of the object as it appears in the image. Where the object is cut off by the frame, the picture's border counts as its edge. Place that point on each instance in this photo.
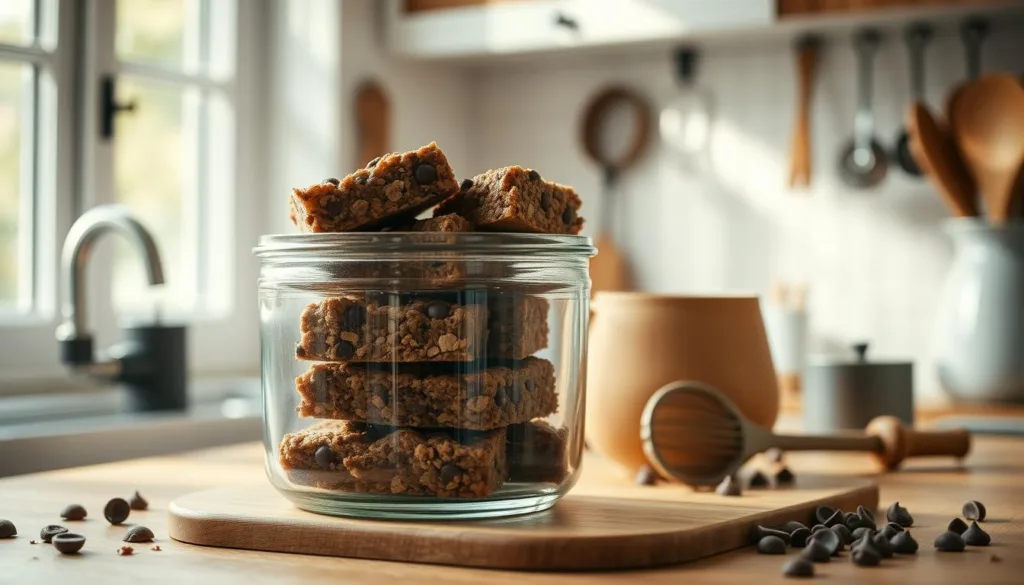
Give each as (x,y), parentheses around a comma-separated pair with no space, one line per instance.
(200,115)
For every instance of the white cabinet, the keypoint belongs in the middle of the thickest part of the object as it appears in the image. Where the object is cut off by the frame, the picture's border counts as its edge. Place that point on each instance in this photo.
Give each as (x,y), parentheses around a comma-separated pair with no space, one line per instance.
(525,26)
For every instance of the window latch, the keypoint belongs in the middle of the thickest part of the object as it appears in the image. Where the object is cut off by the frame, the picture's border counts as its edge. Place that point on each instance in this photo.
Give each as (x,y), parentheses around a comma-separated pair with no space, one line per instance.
(110,107)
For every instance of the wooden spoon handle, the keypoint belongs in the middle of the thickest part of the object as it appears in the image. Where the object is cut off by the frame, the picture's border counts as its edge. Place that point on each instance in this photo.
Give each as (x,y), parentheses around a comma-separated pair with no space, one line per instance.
(851,442)
(955,443)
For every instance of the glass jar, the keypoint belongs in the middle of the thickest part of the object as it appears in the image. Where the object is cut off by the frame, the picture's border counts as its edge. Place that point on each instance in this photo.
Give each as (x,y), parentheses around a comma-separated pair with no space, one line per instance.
(423,375)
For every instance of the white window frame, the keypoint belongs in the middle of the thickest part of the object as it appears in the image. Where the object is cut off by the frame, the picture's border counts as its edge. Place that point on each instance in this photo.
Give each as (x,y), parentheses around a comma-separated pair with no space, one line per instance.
(223,328)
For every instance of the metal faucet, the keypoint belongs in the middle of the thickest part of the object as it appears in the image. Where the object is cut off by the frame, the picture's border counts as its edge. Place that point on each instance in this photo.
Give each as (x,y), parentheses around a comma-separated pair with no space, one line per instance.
(151,361)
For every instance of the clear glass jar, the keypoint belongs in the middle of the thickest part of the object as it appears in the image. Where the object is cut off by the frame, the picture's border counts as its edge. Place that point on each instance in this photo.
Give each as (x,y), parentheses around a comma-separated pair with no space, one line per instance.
(423,375)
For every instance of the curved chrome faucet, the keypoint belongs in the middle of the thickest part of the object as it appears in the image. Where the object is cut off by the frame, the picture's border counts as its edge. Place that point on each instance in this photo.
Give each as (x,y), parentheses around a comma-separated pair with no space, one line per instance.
(151,363)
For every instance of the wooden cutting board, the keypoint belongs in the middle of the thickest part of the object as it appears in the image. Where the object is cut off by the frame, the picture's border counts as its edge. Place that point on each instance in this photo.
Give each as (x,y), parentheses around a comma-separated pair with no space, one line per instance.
(602,524)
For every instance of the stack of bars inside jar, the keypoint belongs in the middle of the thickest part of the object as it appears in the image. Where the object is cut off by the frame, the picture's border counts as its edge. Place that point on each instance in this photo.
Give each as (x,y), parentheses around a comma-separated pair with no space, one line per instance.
(435,392)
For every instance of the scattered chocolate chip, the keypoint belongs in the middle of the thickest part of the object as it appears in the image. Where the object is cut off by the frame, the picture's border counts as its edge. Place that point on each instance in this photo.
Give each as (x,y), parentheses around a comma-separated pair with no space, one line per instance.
(844,533)
(116,511)
(438,310)
(865,557)
(784,476)
(534,175)
(975,536)
(857,521)
(373,163)
(774,455)
(904,544)
(950,542)
(823,513)
(865,513)
(334,206)
(763,531)
(858,533)
(890,530)
(426,174)
(355,316)
(836,518)
(125,551)
(137,502)
(729,487)
(33,541)
(830,539)
(48,532)
(73,512)
(344,350)
(138,534)
(799,537)
(816,552)
(156,547)
(771,545)
(332,180)
(569,216)
(792,525)
(759,480)
(847,517)
(67,543)
(466,184)
(974,510)
(8,529)
(449,472)
(995,559)
(882,545)
(900,515)
(818,527)
(545,201)
(646,476)
(798,567)
(957,525)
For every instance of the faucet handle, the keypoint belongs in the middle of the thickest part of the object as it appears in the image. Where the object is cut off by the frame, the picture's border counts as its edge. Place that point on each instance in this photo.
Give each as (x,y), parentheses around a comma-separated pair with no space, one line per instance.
(75,348)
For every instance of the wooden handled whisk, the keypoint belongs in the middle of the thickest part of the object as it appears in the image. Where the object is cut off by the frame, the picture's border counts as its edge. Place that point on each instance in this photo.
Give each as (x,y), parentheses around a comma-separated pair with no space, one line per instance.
(693,433)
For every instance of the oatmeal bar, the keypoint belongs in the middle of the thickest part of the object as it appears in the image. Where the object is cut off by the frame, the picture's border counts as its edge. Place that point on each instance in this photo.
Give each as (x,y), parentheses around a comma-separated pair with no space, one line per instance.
(425,396)
(422,330)
(393,185)
(518,325)
(514,199)
(536,452)
(450,222)
(349,456)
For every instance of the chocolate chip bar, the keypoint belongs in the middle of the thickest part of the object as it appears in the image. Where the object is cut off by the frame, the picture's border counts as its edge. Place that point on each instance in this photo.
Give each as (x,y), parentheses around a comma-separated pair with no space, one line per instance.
(514,199)
(391,187)
(423,330)
(353,457)
(426,396)
(537,452)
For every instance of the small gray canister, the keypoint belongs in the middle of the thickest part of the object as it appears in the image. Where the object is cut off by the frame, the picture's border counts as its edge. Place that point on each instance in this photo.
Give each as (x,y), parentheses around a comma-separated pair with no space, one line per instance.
(843,395)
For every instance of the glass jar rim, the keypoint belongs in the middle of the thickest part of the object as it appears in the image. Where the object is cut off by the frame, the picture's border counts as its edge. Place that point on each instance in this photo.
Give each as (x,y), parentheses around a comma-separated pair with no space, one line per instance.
(352,244)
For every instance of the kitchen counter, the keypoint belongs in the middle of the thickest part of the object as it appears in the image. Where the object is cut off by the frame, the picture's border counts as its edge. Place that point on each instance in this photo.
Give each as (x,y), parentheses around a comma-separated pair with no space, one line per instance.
(932,490)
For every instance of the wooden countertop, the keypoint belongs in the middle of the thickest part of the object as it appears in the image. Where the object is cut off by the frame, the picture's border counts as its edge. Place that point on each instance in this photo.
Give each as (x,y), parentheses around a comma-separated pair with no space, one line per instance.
(932,490)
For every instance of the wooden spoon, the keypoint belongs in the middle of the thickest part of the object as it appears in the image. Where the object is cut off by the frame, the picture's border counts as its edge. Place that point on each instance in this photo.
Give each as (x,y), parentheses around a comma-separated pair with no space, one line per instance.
(373,122)
(935,152)
(695,434)
(800,148)
(988,122)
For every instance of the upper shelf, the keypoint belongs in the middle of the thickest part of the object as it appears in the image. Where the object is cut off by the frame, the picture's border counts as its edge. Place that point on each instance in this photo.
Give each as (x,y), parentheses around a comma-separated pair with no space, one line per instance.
(484,29)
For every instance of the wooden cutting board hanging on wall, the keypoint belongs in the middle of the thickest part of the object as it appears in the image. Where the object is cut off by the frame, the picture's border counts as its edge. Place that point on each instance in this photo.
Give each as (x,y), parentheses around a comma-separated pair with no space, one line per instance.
(373,122)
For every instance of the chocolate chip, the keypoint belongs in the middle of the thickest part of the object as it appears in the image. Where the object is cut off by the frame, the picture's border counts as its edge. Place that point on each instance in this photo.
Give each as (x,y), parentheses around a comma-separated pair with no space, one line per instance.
(771,545)
(881,542)
(449,472)
(975,536)
(67,543)
(344,350)
(7,529)
(784,476)
(763,531)
(774,455)
(950,542)
(798,567)
(48,532)
(759,480)
(324,456)
(373,163)
(569,216)
(116,511)
(829,539)
(818,527)
(865,513)
(904,544)
(530,384)
(377,432)
(847,517)
(426,174)
(974,510)
(534,175)
(844,533)
(438,310)
(334,206)
(646,476)
(332,180)
(836,518)
(516,393)
(355,316)
(857,521)
(360,180)
(823,513)
(138,502)
(73,512)
(729,487)
(865,557)
(957,525)
(466,184)
(792,525)
(890,530)
(799,537)
(816,552)
(858,533)
(900,515)
(499,397)
(545,201)
(138,534)
(300,352)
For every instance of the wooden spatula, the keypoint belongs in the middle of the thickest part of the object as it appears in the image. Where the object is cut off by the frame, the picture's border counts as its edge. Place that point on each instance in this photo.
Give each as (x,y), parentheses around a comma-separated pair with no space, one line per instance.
(800,148)
(988,122)
(693,433)
(936,154)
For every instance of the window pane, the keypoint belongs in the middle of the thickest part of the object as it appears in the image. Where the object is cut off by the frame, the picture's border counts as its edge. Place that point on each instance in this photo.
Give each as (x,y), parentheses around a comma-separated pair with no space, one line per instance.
(158,32)
(16,21)
(151,175)
(13,126)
